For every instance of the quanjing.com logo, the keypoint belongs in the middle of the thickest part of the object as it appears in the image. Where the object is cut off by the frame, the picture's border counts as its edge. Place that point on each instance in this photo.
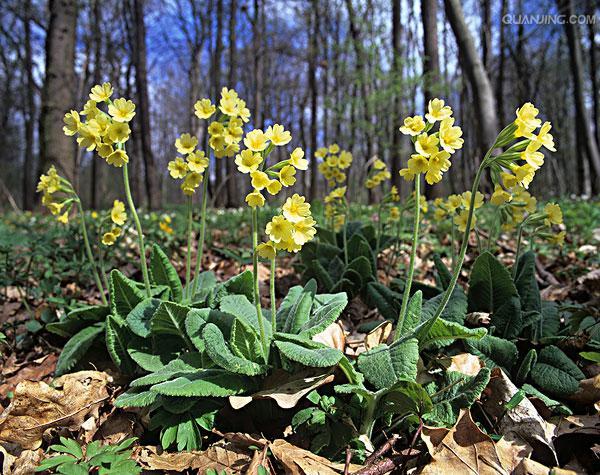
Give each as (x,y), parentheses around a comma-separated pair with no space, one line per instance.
(512,19)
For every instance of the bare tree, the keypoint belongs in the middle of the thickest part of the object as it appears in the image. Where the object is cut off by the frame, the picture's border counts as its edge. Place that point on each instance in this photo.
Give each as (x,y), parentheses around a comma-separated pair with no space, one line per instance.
(312,87)
(233,194)
(396,160)
(58,90)
(28,196)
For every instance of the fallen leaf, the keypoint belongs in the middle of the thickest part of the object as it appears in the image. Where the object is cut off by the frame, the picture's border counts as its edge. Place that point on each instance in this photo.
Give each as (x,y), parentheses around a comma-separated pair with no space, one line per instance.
(220,456)
(522,426)
(285,389)
(589,425)
(297,461)
(24,463)
(378,335)
(531,467)
(37,407)
(462,449)
(333,336)
(34,371)
(588,392)
(465,363)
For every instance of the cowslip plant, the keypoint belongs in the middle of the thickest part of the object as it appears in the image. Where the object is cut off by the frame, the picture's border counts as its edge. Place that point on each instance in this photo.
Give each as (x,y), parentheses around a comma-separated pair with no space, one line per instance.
(72,459)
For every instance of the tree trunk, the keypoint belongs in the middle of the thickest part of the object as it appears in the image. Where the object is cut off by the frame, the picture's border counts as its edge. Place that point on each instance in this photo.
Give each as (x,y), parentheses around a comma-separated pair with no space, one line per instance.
(594,71)
(486,33)
(220,192)
(232,186)
(396,159)
(314,93)
(583,122)
(97,35)
(58,90)
(257,44)
(143,109)
(28,191)
(501,64)
(471,64)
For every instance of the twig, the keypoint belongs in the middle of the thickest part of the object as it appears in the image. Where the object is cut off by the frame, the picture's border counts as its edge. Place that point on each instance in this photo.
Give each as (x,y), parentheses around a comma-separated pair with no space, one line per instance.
(412,444)
(384,449)
(381,467)
(348,458)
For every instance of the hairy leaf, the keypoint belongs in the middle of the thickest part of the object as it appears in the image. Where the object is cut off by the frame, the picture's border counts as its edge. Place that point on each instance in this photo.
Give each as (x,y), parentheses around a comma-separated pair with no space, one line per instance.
(490,285)
(169,319)
(443,333)
(163,273)
(77,347)
(385,365)
(205,383)
(139,318)
(77,319)
(124,294)
(326,310)
(494,351)
(307,352)
(555,373)
(117,336)
(136,397)
(188,363)
(527,285)
(294,310)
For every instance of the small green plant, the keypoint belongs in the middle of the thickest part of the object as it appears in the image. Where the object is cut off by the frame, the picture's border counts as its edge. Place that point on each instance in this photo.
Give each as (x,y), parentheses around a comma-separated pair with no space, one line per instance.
(69,458)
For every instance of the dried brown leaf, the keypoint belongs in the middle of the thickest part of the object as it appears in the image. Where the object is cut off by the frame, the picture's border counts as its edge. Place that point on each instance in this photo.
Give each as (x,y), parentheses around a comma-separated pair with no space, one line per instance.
(333,336)
(297,461)
(378,335)
(464,363)
(24,463)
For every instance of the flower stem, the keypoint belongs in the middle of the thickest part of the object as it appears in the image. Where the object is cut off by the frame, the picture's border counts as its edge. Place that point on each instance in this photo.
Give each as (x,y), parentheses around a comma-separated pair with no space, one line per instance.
(261,325)
(518,251)
(345,233)
(188,260)
(200,250)
(272,292)
(138,227)
(413,253)
(463,247)
(90,256)
(379,232)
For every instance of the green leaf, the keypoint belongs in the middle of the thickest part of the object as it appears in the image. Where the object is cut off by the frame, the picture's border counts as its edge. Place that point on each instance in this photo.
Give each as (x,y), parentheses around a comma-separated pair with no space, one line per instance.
(591,356)
(549,324)
(205,383)
(307,352)
(555,406)
(385,300)
(443,274)
(136,397)
(124,294)
(316,270)
(169,319)
(527,285)
(162,272)
(240,307)
(207,281)
(294,310)
(526,365)
(219,352)
(245,342)
(455,392)
(508,318)
(443,333)
(385,365)
(494,351)
(77,319)
(70,446)
(139,318)
(52,462)
(326,310)
(117,335)
(555,373)
(77,347)
(490,285)
(405,397)
(242,284)
(455,310)
(188,363)
(413,314)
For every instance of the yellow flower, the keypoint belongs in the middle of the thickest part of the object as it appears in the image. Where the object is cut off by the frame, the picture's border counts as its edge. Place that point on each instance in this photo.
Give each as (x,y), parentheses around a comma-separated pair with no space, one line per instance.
(379,164)
(524,174)
(296,208)
(417,164)
(394,195)
(304,230)
(228,104)
(204,108)
(279,229)
(395,213)
(87,139)
(335,194)
(190,183)
(450,135)
(404,173)
(118,158)
(500,196)
(108,239)
(345,159)
(104,149)
(438,163)
(297,159)
(197,161)
(334,148)
(439,214)
(321,152)
(267,250)
(426,145)
(423,204)
(466,200)
(255,199)
(164,226)
(436,110)
(526,120)
(332,161)
(122,110)
(553,214)
(558,239)
(54,207)
(248,161)
(274,187)
(178,168)
(119,132)
(532,156)
(216,128)
(508,180)
(101,93)
(413,125)
(118,214)
(49,183)
(278,135)
(289,246)
(260,180)
(90,109)
(186,143)
(545,138)
(256,140)
(63,218)
(286,175)
(461,220)
(453,203)
(94,215)
(72,123)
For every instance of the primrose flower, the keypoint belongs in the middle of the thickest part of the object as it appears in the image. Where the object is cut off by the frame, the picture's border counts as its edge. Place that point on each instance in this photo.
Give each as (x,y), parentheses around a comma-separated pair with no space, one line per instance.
(267,250)
(186,143)
(526,120)
(413,126)
(438,164)
(118,158)
(255,199)
(417,164)
(109,238)
(304,230)
(178,168)
(122,110)
(500,196)
(460,220)
(553,214)
(287,175)
(558,239)
(295,208)
(450,135)
(426,145)
(72,123)
(191,182)
(197,161)
(260,180)
(334,148)
(204,108)
(394,213)
(118,132)
(118,214)
(466,199)
(278,135)
(248,161)
(297,159)
(101,93)
(279,229)
(63,218)
(256,140)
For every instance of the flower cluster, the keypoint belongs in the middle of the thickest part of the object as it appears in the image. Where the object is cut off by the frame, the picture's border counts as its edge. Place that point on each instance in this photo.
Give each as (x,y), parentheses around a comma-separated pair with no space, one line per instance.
(333,163)
(456,207)
(191,169)
(105,132)
(433,150)
(118,217)
(335,205)
(165,224)
(58,194)
(289,230)
(378,173)
(252,161)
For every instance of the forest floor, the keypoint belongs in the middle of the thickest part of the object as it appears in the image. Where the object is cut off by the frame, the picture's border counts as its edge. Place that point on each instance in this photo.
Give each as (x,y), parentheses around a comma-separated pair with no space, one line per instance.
(36,292)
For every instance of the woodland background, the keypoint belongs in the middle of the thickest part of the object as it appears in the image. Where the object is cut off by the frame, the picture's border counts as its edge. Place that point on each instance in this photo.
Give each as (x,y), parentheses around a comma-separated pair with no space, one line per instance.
(344,71)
